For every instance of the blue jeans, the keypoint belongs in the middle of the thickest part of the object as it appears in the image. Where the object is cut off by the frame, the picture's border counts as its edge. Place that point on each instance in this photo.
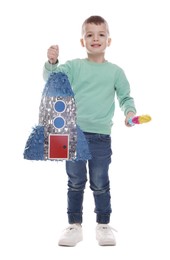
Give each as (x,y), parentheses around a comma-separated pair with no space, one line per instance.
(98,166)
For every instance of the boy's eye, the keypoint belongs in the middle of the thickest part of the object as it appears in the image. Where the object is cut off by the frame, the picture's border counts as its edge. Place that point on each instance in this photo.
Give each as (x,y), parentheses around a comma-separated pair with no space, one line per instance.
(102,35)
(89,35)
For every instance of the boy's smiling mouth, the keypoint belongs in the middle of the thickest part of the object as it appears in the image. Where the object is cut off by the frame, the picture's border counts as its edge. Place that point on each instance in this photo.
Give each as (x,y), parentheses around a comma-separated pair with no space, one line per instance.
(95,45)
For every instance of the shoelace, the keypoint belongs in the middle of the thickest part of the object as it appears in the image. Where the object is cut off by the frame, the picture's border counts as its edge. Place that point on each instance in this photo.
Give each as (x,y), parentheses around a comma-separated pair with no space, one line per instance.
(71,228)
(107,228)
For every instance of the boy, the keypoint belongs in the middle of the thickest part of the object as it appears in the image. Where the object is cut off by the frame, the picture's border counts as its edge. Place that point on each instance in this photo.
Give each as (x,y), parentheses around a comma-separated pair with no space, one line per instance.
(95,81)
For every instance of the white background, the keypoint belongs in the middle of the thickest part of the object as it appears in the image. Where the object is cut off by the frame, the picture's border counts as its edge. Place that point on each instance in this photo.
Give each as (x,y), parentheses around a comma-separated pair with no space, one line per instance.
(33,194)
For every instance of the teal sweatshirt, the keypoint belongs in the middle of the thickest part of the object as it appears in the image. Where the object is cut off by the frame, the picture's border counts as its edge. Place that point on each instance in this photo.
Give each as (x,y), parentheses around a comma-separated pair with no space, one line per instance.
(95,86)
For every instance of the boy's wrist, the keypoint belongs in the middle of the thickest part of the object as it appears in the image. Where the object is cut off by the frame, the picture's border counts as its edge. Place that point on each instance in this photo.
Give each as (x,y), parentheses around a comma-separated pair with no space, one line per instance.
(53,63)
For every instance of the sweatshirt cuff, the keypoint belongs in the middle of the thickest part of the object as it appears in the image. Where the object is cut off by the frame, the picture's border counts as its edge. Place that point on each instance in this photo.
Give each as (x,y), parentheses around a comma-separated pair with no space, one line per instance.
(51,67)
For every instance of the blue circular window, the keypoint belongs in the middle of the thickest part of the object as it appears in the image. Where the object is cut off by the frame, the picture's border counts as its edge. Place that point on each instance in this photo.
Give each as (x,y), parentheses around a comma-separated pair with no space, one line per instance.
(59,122)
(59,106)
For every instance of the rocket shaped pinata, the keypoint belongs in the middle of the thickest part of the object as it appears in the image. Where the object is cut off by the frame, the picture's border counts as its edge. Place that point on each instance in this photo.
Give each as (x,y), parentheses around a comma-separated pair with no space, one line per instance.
(57,136)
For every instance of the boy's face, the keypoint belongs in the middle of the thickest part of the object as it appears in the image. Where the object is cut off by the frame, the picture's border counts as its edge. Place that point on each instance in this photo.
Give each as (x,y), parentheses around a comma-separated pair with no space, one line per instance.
(95,38)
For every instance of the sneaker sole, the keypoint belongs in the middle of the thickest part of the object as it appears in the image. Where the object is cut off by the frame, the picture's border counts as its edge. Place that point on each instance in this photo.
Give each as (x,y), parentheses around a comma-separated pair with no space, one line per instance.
(107,243)
(68,244)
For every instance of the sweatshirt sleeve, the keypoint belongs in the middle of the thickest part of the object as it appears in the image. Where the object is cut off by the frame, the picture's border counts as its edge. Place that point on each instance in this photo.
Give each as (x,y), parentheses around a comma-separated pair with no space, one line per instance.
(64,68)
(122,88)
(48,69)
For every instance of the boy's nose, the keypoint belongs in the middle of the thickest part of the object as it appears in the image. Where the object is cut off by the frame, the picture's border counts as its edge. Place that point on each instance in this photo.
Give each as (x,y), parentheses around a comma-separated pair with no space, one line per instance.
(95,38)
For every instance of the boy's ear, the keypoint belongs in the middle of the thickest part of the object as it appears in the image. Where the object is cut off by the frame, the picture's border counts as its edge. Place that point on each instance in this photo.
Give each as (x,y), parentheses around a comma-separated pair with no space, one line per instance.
(109,42)
(82,42)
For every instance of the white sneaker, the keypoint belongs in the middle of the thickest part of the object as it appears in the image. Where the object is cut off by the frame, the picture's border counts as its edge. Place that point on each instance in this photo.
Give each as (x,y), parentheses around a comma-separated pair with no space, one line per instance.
(104,235)
(71,235)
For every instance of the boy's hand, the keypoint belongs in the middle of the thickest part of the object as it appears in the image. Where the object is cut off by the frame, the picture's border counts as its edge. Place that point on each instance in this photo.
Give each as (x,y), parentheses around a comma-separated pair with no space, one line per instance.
(129,115)
(52,54)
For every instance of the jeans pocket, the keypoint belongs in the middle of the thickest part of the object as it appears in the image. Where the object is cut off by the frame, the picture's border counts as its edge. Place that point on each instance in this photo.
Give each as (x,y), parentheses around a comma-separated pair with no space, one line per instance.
(105,138)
